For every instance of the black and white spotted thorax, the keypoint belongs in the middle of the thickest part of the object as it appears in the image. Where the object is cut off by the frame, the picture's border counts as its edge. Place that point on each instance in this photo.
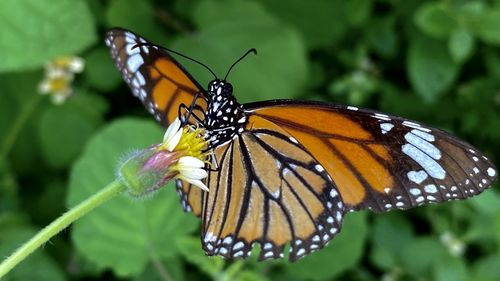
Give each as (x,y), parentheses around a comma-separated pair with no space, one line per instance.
(225,116)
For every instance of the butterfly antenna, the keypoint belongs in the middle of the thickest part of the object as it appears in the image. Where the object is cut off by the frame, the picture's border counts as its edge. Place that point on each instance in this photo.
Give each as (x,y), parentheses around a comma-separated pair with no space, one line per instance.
(253,50)
(177,53)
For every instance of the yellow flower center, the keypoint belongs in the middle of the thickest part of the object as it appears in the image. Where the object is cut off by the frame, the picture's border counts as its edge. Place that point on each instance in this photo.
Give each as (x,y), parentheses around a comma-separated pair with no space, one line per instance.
(191,143)
(59,84)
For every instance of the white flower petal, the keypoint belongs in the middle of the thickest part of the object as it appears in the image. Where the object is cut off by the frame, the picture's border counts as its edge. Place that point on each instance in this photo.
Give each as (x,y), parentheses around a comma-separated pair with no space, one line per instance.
(44,87)
(196,174)
(190,161)
(76,64)
(171,132)
(191,169)
(53,72)
(175,140)
(59,99)
(197,183)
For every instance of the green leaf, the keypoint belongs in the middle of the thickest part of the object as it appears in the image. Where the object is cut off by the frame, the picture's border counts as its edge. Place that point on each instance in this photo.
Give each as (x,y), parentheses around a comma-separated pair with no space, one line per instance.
(435,19)
(36,267)
(487,269)
(279,70)
(451,269)
(390,234)
(488,203)
(20,104)
(485,26)
(171,269)
(191,250)
(381,35)
(491,59)
(343,253)
(33,32)
(421,255)
(124,234)
(137,16)
(100,70)
(430,67)
(461,45)
(62,134)
(357,11)
(248,275)
(330,21)
(9,199)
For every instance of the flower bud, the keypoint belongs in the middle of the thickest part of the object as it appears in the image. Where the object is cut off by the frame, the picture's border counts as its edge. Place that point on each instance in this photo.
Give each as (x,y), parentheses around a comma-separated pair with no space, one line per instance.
(147,171)
(179,156)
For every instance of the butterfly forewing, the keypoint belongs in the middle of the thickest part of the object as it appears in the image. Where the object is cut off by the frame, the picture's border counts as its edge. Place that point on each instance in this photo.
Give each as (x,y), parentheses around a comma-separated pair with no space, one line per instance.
(154,76)
(268,191)
(382,162)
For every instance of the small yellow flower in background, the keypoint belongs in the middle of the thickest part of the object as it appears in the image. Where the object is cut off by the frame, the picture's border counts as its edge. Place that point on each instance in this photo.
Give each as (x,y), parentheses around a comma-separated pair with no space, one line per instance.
(59,76)
(68,63)
(181,155)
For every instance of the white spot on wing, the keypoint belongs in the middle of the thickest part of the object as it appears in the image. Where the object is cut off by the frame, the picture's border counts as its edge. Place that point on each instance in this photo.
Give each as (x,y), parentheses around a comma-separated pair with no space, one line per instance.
(430,165)
(238,246)
(352,108)
(134,62)
(415,191)
(319,168)
(430,188)
(381,116)
(491,172)
(424,135)
(415,126)
(423,145)
(386,127)
(417,177)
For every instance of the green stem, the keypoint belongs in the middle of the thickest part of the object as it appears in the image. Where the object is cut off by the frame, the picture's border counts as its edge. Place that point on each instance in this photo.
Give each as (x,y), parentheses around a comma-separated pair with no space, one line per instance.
(11,135)
(108,192)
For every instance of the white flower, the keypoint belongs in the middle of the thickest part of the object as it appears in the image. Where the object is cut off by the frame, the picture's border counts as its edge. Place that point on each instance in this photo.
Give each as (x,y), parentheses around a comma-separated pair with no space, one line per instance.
(455,246)
(76,65)
(68,63)
(192,170)
(59,76)
(172,135)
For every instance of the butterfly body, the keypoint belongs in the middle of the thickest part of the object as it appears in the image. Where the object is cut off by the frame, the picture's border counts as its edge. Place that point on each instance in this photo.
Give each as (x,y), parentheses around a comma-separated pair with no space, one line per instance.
(288,171)
(224,117)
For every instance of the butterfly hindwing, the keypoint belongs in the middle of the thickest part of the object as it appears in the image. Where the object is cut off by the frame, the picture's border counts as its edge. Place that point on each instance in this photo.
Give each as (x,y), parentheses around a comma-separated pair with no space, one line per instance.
(191,197)
(268,191)
(382,162)
(154,76)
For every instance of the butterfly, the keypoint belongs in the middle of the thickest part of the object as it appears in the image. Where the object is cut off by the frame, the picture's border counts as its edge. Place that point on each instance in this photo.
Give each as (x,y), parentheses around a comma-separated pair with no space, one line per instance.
(288,171)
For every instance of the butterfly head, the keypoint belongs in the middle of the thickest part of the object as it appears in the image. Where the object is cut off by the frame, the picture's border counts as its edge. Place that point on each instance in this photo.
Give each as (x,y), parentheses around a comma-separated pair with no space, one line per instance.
(219,87)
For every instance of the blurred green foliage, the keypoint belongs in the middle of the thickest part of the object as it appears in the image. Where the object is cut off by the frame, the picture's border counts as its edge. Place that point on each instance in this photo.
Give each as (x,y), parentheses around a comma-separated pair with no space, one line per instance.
(434,61)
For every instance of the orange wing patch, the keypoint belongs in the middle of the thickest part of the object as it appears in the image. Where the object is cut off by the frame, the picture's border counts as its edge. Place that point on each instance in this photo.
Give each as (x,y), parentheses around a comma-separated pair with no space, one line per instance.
(342,146)
(268,191)
(154,76)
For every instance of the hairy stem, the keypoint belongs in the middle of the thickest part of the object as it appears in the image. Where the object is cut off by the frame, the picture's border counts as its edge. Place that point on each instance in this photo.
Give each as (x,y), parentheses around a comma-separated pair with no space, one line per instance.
(107,193)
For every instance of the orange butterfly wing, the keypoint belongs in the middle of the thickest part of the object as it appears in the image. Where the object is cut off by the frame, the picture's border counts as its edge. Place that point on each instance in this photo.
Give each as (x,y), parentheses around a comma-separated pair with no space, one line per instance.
(378,161)
(162,85)
(268,191)
(154,76)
